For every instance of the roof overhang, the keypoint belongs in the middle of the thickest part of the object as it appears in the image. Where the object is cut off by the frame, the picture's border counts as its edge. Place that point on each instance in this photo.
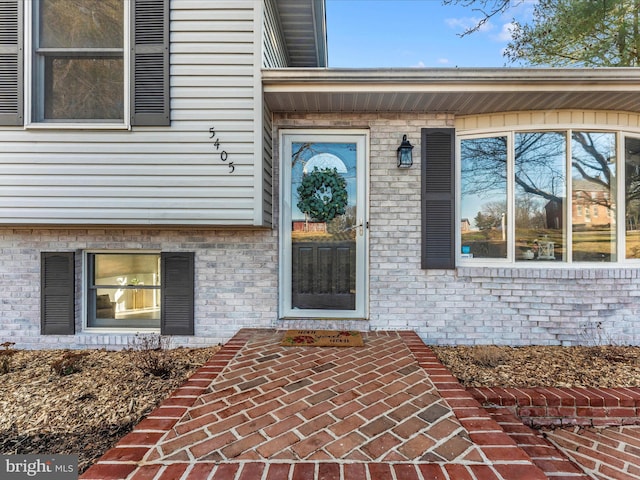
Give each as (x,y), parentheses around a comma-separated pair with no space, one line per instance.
(304,26)
(457,91)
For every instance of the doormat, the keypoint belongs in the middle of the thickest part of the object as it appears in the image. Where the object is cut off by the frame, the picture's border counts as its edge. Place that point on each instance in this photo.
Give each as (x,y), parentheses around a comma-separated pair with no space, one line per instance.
(322,338)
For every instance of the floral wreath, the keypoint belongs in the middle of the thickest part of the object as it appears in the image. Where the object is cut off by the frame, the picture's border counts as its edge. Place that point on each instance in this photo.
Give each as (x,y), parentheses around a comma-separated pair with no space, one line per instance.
(323,194)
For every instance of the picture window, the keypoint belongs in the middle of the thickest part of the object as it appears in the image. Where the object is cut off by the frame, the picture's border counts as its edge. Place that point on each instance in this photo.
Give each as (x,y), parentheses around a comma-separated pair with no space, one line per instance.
(542,195)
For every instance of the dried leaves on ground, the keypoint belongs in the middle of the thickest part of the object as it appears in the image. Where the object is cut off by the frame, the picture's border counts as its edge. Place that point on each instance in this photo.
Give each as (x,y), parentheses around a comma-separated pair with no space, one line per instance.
(543,366)
(82,402)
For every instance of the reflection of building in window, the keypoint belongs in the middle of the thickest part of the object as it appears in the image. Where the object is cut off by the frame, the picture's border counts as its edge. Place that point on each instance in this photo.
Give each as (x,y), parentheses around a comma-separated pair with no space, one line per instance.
(465,225)
(313,227)
(553,214)
(590,198)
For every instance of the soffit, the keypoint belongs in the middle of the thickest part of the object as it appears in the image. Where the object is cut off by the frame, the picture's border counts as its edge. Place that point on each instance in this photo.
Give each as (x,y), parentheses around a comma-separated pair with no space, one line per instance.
(303,24)
(458,91)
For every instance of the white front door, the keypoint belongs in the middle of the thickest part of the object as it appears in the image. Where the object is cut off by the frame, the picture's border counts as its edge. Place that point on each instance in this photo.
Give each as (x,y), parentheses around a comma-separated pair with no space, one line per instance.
(324,225)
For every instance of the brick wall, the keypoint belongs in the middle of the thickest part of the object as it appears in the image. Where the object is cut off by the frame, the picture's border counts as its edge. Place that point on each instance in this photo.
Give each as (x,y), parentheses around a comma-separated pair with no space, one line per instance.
(478,305)
(237,271)
(235,280)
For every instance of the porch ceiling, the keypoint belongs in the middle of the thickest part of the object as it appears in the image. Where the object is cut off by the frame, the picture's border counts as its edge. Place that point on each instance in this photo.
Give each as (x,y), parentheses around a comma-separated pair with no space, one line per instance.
(458,91)
(304,26)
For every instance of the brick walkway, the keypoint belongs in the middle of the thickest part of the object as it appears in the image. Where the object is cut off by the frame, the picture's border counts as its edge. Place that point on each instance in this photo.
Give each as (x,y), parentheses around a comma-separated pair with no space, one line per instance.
(257,410)
(609,453)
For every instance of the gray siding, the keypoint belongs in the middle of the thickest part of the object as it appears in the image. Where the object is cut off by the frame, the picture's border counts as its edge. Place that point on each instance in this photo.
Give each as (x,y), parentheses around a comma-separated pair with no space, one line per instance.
(157,175)
(267,166)
(274,53)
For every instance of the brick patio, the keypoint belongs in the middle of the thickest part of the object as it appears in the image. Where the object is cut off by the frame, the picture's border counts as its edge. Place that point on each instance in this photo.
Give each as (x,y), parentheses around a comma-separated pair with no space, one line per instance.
(257,410)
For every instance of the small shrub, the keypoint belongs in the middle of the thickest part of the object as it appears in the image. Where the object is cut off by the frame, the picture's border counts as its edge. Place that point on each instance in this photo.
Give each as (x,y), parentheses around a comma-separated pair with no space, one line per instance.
(68,364)
(5,357)
(596,335)
(151,355)
(488,356)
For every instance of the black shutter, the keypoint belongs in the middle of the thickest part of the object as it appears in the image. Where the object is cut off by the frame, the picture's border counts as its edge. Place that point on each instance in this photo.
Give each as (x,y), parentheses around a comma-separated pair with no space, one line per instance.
(177,293)
(438,198)
(11,58)
(57,291)
(150,63)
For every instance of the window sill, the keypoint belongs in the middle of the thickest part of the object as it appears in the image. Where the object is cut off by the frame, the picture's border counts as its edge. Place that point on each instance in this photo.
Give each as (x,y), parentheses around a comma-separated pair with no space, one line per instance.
(549,265)
(118,331)
(77,126)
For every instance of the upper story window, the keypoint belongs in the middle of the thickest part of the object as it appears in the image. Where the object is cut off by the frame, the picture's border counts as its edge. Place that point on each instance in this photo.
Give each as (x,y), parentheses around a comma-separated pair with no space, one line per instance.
(78,61)
(542,196)
(84,63)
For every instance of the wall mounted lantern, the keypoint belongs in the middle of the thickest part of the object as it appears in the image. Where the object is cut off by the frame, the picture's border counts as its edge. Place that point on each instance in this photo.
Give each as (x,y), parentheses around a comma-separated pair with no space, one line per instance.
(405,157)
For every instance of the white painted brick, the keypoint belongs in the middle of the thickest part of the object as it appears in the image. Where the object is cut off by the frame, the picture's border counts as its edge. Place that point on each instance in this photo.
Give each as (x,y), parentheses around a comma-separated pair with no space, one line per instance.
(237,270)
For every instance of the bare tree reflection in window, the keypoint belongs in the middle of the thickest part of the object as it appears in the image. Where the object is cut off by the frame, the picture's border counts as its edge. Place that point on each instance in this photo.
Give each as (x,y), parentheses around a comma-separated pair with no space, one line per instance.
(484,197)
(593,177)
(632,194)
(539,182)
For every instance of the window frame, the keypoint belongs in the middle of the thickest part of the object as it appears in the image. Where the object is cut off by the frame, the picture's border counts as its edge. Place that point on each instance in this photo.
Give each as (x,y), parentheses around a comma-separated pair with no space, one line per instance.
(31,79)
(87,283)
(510,260)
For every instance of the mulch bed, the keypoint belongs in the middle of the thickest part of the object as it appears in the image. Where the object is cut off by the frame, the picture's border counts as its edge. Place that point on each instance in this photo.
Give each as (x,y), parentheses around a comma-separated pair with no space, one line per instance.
(62,402)
(543,366)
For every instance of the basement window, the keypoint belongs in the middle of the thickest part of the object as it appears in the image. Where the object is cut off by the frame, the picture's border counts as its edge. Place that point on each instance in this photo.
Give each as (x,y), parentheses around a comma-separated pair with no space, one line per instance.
(124,290)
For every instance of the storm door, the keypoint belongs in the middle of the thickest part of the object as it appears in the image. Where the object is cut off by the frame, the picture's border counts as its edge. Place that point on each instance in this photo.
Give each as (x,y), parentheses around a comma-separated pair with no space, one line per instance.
(324,225)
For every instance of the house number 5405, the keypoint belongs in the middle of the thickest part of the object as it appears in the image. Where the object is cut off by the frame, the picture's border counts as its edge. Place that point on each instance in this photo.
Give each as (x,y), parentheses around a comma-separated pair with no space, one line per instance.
(224,156)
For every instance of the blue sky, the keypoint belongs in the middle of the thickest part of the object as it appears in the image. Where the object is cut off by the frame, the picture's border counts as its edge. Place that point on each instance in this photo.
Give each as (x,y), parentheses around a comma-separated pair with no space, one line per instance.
(415,33)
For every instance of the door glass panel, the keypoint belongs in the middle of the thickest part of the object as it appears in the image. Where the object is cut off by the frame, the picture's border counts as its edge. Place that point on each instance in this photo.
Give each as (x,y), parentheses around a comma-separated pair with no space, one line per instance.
(324,225)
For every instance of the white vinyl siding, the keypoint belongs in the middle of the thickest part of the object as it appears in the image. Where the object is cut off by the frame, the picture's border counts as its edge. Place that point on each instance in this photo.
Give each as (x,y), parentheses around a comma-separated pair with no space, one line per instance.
(157,175)
(274,48)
